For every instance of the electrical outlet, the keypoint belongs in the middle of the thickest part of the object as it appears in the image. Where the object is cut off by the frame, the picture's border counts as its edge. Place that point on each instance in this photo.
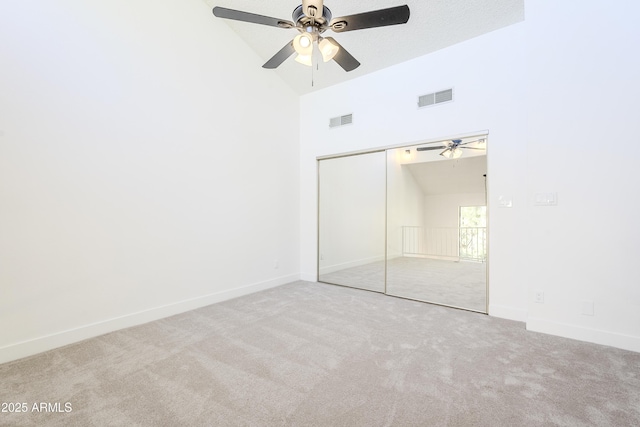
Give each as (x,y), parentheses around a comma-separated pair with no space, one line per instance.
(587,308)
(538,297)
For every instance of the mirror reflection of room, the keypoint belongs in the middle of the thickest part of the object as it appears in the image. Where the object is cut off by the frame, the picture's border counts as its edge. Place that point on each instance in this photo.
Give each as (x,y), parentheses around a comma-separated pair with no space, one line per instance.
(351,246)
(437,224)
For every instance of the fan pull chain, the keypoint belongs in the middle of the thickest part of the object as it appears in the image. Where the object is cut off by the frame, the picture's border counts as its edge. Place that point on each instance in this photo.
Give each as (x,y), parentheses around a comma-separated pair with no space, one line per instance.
(312,59)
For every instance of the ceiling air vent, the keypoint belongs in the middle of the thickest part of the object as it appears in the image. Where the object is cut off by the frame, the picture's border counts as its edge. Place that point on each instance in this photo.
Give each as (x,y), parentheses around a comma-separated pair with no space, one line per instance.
(435,98)
(341,120)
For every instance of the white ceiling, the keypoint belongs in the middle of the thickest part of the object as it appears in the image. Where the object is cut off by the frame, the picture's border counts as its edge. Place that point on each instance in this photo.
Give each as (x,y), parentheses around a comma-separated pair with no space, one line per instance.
(463,175)
(433,25)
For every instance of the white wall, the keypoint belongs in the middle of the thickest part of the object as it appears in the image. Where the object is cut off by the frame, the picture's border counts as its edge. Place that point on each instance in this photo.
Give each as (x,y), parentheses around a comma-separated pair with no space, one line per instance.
(486,74)
(148,165)
(558,95)
(352,211)
(583,92)
(413,200)
(442,219)
(405,201)
(443,210)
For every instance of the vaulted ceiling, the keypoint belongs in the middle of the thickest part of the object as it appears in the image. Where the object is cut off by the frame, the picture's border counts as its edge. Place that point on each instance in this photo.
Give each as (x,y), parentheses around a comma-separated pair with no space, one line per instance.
(433,25)
(464,175)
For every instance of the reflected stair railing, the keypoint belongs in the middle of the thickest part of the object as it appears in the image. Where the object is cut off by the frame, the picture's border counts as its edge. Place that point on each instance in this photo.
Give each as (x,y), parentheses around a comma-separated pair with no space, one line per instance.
(454,243)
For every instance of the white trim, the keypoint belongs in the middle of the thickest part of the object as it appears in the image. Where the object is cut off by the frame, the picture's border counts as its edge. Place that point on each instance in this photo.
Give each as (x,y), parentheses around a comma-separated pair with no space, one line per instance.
(596,336)
(505,312)
(309,277)
(357,263)
(438,257)
(70,336)
(479,134)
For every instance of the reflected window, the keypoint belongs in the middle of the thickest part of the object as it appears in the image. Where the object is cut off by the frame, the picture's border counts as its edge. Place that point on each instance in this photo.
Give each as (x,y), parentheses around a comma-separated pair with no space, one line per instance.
(473,233)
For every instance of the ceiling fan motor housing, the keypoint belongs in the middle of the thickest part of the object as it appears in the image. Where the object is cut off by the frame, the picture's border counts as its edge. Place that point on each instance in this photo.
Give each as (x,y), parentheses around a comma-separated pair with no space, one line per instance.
(302,19)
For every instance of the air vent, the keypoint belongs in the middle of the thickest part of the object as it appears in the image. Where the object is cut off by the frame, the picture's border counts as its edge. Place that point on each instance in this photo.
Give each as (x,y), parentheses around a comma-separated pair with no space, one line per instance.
(341,121)
(435,98)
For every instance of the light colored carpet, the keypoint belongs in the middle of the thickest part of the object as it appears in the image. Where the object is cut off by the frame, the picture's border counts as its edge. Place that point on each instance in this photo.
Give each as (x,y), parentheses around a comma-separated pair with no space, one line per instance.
(459,284)
(308,354)
(368,276)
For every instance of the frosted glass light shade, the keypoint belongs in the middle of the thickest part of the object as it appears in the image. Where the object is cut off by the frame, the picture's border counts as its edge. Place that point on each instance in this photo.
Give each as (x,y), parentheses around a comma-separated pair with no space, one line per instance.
(303,44)
(452,154)
(327,49)
(304,59)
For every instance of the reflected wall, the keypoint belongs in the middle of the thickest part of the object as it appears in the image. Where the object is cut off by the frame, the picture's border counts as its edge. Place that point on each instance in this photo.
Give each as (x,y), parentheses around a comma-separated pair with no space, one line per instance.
(351,234)
(436,225)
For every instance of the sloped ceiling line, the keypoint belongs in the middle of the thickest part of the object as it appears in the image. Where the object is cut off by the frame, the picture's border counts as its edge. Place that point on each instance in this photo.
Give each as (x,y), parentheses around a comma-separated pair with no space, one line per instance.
(433,25)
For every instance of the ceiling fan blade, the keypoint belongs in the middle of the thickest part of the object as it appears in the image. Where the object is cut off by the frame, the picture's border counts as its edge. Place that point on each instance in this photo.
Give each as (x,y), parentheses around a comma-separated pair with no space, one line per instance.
(376,18)
(280,57)
(473,148)
(430,148)
(237,15)
(469,142)
(344,58)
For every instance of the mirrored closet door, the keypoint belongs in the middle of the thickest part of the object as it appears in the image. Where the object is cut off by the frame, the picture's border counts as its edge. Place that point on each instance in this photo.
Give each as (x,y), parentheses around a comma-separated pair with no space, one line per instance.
(437,223)
(351,219)
(409,222)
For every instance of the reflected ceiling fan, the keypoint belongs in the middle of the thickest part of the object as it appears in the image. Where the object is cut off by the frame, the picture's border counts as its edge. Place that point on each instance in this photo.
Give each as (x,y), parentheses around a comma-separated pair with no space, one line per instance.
(453,148)
(311,19)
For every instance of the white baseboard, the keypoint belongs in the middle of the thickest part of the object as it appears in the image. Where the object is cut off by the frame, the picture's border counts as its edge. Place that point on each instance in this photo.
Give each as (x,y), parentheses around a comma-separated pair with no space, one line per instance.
(596,336)
(506,312)
(59,339)
(309,277)
(438,257)
(350,264)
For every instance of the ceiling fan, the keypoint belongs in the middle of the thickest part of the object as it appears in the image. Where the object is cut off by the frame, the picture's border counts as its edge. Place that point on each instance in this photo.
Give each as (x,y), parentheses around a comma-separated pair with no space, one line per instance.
(453,148)
(311,19)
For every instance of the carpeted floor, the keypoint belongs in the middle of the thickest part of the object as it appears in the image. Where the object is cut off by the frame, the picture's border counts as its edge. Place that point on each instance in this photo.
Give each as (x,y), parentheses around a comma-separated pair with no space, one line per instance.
(459,284)
(308,354)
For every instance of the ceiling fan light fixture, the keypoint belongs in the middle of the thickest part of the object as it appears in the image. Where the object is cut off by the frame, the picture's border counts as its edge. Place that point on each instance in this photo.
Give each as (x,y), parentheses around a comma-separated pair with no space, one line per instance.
(304,60)
(328,49)
(452,153)
(303,44)
(312,18)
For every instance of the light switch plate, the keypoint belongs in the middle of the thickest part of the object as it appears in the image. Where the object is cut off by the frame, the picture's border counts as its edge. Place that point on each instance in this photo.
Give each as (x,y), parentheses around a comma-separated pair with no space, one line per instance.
(505,201)
(545,199)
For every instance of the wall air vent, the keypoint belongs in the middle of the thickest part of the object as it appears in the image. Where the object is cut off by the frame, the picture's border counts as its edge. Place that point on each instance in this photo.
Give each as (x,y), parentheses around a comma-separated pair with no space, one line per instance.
(341,120)
(435,98)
